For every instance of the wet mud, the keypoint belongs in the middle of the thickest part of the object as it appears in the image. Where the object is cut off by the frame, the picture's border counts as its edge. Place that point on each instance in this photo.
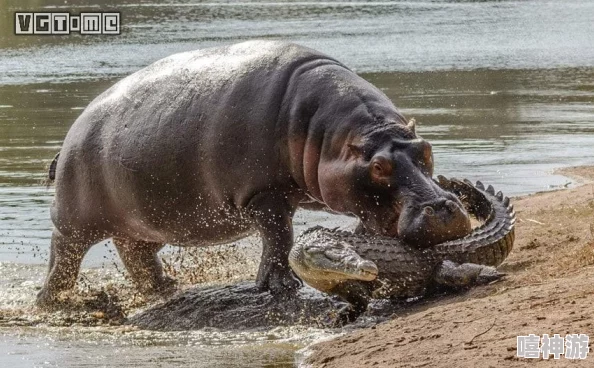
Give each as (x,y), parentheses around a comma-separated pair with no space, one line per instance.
(242,307)
(236,307)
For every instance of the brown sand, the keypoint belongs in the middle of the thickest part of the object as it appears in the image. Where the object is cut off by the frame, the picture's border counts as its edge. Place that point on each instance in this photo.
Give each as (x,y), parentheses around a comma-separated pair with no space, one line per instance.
(549,289)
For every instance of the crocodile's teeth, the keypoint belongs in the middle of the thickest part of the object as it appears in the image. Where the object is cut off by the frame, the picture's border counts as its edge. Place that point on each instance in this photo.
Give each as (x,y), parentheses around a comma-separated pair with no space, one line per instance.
(499,196)
(491,190)
(480,185)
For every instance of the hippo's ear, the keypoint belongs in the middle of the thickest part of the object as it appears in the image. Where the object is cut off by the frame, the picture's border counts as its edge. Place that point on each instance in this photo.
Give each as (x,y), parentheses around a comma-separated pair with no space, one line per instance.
(380,170)
(412,125)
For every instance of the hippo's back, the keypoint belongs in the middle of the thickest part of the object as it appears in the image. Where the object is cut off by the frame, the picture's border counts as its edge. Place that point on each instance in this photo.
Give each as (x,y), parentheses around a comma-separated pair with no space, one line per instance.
(194,82)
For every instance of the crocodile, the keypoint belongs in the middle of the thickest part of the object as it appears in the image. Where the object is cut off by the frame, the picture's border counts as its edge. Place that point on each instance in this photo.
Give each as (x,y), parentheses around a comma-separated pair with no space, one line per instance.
(358,267)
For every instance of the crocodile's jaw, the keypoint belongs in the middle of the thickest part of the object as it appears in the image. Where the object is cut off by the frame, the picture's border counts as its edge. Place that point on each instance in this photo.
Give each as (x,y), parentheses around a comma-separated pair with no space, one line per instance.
(326,280)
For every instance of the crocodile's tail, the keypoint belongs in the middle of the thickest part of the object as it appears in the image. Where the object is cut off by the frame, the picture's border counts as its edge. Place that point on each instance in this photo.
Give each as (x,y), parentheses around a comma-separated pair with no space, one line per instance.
(490,243)
(51,175)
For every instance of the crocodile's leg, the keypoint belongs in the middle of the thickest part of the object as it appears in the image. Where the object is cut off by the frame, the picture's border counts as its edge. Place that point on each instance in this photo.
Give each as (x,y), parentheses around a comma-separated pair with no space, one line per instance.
(466,274)
(357,294)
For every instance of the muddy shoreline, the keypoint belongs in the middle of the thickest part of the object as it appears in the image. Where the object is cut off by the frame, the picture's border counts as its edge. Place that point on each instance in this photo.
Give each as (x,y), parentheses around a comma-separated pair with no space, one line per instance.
(548,290)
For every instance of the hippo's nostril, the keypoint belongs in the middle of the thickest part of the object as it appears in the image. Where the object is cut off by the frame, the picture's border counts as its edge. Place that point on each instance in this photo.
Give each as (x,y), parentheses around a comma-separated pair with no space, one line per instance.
(451,205)
(429,211)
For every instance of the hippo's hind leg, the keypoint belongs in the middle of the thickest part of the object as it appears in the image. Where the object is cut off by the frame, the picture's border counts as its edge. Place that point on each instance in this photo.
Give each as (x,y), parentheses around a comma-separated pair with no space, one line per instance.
(273,216)
(142,263)
(66,255)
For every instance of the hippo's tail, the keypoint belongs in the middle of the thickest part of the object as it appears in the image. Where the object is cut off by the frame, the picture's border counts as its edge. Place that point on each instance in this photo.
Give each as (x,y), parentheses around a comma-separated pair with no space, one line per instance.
(51,175)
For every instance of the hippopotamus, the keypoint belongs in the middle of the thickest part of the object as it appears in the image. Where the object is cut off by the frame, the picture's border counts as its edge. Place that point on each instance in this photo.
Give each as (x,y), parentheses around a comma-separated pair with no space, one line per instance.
(209,146)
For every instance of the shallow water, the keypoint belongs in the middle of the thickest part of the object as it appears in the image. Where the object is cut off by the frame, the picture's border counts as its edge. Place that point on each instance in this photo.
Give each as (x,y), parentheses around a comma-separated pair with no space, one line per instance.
(503,90)
(85,347)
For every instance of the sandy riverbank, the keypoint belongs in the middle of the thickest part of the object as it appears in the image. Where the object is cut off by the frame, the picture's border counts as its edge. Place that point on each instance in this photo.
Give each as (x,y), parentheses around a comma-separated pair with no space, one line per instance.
(549,289)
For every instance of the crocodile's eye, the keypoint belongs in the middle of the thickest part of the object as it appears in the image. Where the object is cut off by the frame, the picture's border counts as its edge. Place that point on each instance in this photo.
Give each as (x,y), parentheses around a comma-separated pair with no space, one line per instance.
(334,255)
(313,249)
(350,259)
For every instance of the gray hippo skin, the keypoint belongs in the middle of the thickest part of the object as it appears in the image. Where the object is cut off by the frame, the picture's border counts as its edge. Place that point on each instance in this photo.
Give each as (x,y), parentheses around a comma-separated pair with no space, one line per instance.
(209,146)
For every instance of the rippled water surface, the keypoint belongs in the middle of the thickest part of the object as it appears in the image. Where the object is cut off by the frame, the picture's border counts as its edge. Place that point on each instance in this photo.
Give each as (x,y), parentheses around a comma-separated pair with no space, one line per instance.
(504,90)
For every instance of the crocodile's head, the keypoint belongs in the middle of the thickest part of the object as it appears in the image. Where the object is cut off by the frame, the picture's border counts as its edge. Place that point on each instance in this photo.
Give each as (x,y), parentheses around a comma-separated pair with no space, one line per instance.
(324,265)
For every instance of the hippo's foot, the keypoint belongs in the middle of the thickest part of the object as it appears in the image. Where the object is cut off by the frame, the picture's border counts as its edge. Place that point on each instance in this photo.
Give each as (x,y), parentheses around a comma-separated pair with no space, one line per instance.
(46,300)
(280,282)
(168,286)
(165,288)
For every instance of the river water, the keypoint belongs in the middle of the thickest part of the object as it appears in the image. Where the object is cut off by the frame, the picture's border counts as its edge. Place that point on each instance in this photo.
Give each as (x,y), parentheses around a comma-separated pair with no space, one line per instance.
(504,90)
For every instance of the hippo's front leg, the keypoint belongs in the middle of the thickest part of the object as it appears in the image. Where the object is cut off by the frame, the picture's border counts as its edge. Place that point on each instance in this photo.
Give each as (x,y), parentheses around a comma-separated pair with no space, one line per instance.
(273,216)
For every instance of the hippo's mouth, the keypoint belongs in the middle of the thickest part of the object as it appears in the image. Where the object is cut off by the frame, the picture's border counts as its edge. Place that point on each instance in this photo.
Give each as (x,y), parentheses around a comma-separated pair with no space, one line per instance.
(429,222)
(421,222)
(387,224)
(391,227)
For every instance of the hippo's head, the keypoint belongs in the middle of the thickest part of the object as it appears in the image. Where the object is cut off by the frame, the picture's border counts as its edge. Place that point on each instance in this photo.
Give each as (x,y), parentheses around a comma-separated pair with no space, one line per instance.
(387,182)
